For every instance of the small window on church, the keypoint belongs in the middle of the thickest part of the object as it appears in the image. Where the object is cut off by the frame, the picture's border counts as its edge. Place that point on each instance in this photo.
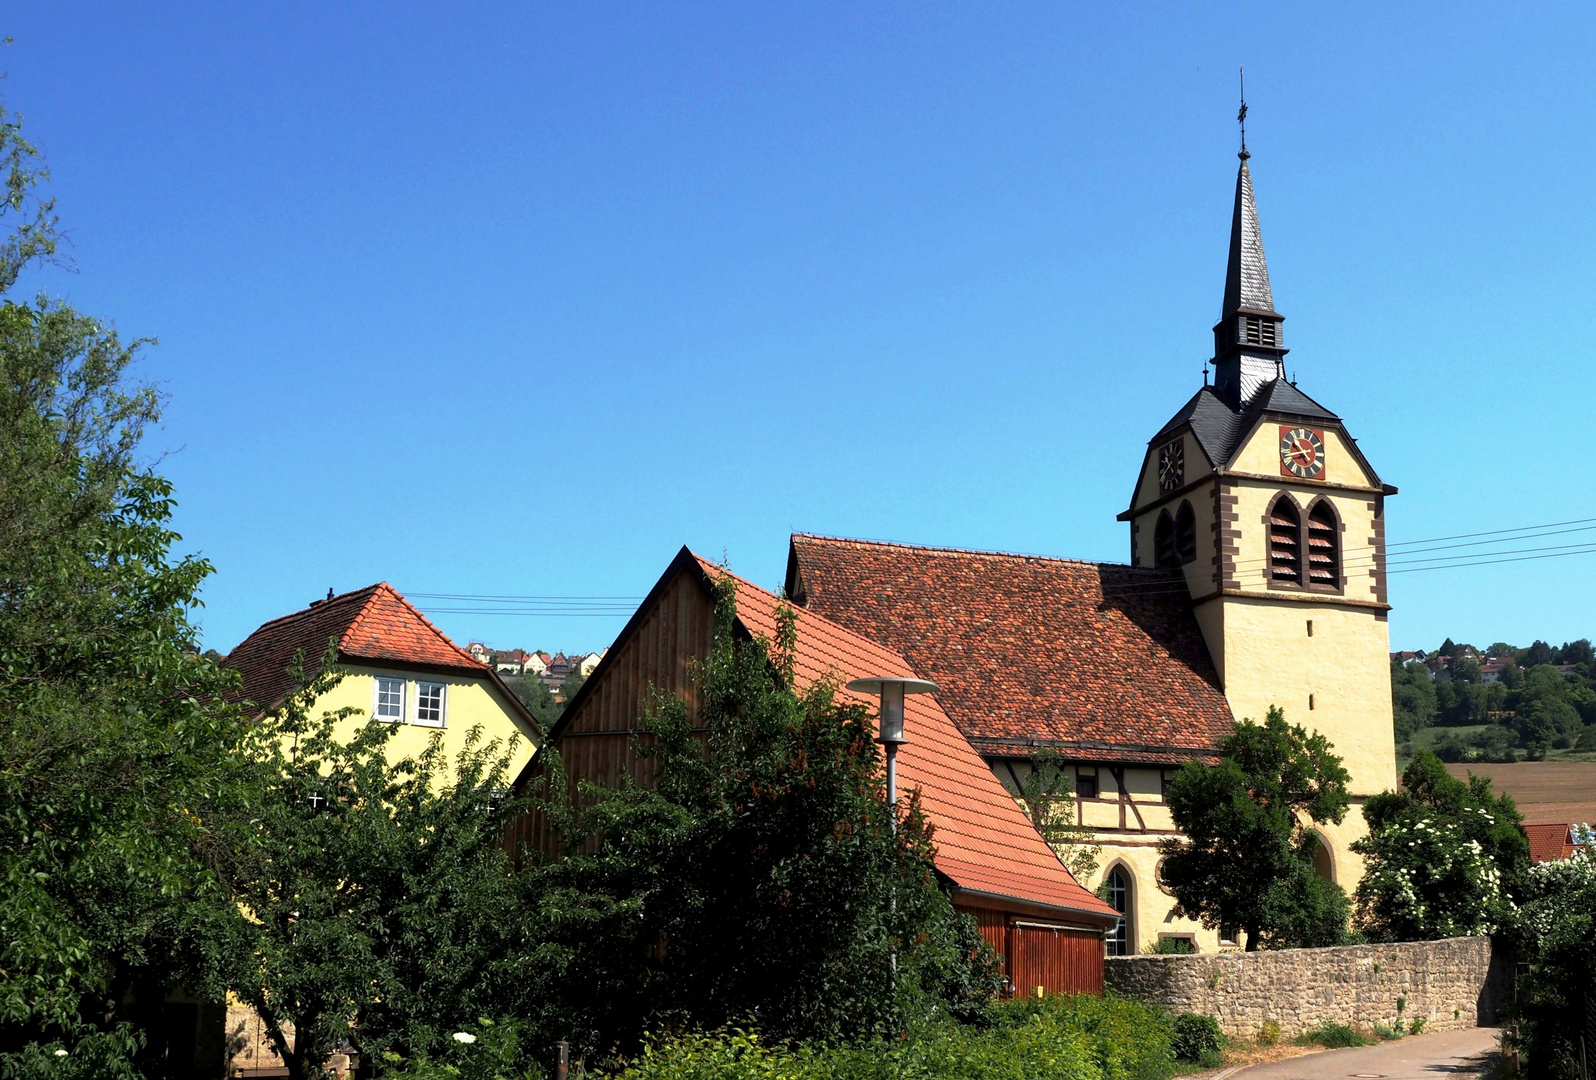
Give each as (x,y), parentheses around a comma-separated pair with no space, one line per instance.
(1086,783)
(1271,331)
(1285,542)
(1324,564)
(1164,554)
(1185,534)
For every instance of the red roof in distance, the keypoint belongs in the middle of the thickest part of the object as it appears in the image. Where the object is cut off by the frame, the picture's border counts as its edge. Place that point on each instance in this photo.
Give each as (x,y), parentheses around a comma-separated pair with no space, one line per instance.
(1548,843)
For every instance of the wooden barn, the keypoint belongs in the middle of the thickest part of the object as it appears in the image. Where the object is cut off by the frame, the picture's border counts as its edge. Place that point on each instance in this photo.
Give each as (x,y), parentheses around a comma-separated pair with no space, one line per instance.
(1048,928)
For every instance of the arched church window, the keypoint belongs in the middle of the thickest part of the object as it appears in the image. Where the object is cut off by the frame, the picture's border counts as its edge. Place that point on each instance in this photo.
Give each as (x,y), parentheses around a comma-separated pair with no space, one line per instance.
(1324,554)
(1285,542)
(1185,533)
(1117,892)
(1164,542)
(1323,864)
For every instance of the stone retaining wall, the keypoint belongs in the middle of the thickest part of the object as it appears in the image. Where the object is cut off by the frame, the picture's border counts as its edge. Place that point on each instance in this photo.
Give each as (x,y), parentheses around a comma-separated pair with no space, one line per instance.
(1455,983)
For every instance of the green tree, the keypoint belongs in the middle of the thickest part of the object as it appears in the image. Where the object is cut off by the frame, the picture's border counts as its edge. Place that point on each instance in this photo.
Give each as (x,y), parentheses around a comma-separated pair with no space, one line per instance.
(762,879)
(1555,931)
(1443,857)
(538,699)
(381,907)
(1048,795)
(117,754)
(571,683)
(1537,654)
(1247,856)
(1543,714)
(1413,702)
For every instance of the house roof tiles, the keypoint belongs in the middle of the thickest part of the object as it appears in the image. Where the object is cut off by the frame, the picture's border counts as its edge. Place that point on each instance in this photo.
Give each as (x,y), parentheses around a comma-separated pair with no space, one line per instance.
(373,624)
(1549,843)
(1101,661)
(984,841)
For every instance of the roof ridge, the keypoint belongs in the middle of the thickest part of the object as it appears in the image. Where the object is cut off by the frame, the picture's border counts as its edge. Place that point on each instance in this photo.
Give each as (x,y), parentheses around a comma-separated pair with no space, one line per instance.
(315,605)
(382,586)
(978,552)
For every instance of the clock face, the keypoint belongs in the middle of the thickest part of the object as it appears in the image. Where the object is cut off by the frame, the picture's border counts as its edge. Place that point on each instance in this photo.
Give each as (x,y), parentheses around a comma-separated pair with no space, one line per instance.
(1172,466)
(1301,452)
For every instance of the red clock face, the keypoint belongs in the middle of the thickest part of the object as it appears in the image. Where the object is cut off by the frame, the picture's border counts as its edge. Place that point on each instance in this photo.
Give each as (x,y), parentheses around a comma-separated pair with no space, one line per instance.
(1301,452)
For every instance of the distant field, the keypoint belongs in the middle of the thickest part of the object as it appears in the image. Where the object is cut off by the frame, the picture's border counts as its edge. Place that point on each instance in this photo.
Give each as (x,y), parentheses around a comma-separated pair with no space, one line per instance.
(1545,791)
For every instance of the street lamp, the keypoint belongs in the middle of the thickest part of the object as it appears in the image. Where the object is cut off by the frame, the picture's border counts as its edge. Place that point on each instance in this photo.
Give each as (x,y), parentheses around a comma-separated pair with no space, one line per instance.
(892,691)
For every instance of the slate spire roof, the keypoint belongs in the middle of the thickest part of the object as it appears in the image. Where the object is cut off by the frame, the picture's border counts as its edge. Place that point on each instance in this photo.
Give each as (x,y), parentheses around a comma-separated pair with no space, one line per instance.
(1247,274)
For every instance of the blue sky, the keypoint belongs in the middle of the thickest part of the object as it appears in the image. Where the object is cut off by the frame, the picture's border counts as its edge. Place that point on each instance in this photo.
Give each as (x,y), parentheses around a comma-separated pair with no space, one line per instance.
(517,299)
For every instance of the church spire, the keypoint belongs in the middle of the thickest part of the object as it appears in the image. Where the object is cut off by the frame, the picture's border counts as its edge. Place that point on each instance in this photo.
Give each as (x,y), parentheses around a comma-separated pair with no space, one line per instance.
(1248,345)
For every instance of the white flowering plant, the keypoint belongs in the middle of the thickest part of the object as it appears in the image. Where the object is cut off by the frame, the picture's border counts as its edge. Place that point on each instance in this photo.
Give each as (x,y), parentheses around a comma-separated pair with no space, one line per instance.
(1555,930)
(1443,858)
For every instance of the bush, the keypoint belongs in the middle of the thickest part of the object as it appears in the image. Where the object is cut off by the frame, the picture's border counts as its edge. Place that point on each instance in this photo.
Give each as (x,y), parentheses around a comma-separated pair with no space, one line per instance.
(1059,1038)
(1332,1036)
(1269,1034)
(1198,1038)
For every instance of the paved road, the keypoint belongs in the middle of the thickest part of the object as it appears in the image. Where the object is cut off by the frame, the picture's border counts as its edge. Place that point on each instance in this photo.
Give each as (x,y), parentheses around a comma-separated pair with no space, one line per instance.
(1417,1057)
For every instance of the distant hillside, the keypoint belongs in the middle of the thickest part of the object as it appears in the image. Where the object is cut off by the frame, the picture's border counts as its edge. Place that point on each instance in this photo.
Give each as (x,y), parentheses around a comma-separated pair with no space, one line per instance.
(1501,703)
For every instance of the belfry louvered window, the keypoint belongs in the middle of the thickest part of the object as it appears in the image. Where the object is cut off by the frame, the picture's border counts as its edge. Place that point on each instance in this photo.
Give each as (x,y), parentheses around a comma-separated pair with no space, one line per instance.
(1324,554)
(1185,534)
(1164,555)
(1285,542)
(1257,331)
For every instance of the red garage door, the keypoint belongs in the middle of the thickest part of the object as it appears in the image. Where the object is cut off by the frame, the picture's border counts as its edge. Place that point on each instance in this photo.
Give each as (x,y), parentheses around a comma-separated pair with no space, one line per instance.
(1057,958)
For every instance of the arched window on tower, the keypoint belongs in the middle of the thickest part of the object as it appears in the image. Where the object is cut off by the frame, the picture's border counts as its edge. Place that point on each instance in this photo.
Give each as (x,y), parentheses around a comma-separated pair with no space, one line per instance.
(1185,533)
(1285,542)
(1117,893)
(1164,542)
(1324,554)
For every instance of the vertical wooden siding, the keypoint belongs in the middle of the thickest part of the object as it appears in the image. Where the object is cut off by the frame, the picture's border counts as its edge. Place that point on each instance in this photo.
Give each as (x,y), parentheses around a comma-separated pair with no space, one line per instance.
(598,742)
(1060,959)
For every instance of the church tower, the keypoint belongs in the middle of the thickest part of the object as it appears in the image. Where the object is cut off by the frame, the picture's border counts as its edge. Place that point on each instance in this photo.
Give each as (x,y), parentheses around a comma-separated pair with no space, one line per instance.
(1261,498)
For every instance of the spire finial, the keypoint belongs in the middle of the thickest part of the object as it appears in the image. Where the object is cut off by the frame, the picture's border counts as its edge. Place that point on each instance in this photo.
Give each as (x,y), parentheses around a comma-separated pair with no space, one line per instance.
(1241,117)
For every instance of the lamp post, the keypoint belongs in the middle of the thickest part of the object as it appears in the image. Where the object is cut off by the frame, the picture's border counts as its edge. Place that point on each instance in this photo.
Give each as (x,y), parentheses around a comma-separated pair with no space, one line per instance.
(892,691)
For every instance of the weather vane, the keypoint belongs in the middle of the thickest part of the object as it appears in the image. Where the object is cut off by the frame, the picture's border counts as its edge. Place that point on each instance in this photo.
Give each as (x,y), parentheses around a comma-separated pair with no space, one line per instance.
(1241,117)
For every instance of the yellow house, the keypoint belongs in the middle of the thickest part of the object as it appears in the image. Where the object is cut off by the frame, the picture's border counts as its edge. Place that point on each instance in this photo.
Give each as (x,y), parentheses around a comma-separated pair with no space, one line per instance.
(400,668)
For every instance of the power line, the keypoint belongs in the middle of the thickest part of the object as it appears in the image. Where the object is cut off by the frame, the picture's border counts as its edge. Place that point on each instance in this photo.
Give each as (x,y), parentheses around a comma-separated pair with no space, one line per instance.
(1493,532)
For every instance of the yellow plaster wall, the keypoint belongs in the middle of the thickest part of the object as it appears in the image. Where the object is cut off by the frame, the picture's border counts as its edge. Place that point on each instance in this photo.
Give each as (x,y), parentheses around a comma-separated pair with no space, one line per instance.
(1261,454)
(1151,910)
(1197,467)
(1271,660)
(469,701)
(1253,500)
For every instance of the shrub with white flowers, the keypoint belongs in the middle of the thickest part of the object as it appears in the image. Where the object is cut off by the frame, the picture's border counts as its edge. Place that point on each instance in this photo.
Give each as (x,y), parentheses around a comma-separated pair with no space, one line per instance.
(1556,933)
(1444,858)
(1426,879)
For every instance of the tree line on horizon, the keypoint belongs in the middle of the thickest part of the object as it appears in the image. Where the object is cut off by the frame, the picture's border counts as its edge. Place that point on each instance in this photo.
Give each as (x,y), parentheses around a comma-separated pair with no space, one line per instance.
(1532,708)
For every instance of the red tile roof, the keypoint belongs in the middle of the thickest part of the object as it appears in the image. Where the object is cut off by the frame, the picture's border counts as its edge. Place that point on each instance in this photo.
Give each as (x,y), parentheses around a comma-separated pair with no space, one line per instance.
(374,623)
(1549,843)
(984,841)
(1103,661)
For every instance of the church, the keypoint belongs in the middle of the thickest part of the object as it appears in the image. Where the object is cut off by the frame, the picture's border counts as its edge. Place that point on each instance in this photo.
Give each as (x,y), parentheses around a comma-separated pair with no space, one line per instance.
(1256,578)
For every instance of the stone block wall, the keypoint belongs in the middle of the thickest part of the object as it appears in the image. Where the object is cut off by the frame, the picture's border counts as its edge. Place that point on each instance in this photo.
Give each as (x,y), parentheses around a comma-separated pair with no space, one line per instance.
(1455,983)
